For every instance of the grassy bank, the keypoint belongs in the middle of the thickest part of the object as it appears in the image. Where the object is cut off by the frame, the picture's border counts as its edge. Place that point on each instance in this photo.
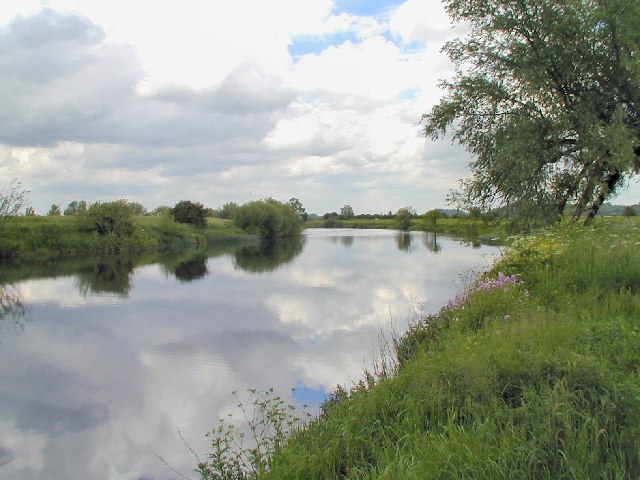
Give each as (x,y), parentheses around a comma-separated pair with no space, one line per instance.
(533,372)
(65,235)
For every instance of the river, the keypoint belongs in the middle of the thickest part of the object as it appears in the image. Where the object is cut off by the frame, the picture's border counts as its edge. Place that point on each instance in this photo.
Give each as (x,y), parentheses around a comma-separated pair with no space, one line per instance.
(105,363)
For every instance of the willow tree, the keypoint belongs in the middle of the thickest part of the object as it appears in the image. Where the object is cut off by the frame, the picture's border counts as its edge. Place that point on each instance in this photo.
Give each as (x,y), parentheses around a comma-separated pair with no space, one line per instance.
(545,97)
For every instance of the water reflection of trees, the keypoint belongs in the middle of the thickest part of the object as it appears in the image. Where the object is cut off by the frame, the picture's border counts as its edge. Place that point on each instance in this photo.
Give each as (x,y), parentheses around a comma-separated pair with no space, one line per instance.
(346,241)
(431,242)
(403,241)
(109,275)
(12,306)
(192,269)
(268,255)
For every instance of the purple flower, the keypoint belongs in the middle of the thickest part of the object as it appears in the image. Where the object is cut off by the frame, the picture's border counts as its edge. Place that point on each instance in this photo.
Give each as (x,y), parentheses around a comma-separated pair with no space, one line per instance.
(503,282)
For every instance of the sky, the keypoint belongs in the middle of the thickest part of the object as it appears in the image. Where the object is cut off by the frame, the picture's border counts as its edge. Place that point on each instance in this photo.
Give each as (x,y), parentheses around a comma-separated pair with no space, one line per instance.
(218,101)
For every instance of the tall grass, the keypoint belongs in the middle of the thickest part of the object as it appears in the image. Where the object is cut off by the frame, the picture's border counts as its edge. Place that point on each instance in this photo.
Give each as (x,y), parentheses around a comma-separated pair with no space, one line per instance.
(535,378)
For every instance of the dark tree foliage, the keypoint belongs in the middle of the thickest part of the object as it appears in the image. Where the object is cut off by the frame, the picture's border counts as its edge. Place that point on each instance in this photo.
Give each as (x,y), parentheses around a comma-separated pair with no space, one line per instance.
(546,98)
(193,213)
(298,208)
(111,218)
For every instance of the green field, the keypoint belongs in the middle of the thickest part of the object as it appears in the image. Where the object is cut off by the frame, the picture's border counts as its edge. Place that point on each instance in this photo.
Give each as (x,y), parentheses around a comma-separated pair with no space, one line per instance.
(533,372)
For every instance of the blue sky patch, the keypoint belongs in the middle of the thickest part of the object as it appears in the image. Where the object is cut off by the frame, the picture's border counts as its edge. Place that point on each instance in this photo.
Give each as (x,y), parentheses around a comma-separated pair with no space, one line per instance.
(312,397)
(308,44)
(366,8)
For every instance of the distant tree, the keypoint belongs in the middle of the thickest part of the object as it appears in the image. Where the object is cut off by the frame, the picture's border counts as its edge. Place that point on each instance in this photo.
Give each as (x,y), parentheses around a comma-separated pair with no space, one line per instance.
(111,218)
(346,212)
(629,211)
(161,210)
(545,97)
(268,218)
(298,208)
(432,217)
(76,208)
(404,216)
(29,212)
(229,210)
(137,208)
(193,213)
(12,199)
(54,211)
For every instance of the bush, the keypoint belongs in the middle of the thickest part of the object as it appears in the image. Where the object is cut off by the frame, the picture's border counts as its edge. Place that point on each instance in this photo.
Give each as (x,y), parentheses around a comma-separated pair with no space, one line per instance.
(111,218)
(268,219)
(193,213)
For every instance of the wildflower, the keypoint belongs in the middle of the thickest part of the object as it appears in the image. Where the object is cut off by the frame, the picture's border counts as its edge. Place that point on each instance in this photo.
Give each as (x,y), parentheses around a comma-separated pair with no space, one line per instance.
(503,282)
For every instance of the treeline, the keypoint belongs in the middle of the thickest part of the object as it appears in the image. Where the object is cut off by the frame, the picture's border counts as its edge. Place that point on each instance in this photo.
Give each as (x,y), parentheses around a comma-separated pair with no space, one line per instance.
(123,226)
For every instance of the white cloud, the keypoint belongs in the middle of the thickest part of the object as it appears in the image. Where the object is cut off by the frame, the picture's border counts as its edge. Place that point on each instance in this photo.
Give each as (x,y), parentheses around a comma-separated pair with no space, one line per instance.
(149,100)
(420,21)
(372,72)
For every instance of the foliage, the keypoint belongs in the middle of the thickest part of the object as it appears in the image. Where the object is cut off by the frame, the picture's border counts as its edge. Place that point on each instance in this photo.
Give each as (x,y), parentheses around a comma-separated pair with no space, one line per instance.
(268,218)
(54,211)
(136,208)
(404,216)
(629,211)
(239,455)
(298,208)
(346,213)
(432,216)
(111,218)
(189,212)
(228,211)
(193,213)
(161,210)
(12,200)
(532,373)
(76,207)
(546,98)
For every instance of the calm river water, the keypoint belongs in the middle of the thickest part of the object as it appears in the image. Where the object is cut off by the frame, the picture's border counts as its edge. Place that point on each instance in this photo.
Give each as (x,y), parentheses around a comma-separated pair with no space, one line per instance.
(103,360)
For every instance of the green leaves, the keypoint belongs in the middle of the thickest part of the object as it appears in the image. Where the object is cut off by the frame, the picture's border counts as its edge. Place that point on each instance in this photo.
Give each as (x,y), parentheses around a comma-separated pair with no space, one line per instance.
(268,219)
(546,98)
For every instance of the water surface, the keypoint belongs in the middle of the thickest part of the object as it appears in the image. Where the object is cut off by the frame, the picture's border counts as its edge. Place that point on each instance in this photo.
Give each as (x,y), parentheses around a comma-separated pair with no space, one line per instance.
(102,360)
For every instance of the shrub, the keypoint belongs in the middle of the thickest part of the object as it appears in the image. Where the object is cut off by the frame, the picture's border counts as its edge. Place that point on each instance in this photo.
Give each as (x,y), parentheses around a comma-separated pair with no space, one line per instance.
(268,219)
(111,218)
(193,213)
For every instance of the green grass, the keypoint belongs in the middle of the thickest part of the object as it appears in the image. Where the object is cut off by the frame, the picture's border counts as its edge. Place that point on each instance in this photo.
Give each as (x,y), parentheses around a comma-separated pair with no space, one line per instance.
(70,235)
(536,379)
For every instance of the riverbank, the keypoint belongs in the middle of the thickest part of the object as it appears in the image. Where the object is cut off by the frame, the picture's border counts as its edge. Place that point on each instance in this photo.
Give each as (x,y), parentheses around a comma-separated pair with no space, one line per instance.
(69,235)
(473,229)
(532,372)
